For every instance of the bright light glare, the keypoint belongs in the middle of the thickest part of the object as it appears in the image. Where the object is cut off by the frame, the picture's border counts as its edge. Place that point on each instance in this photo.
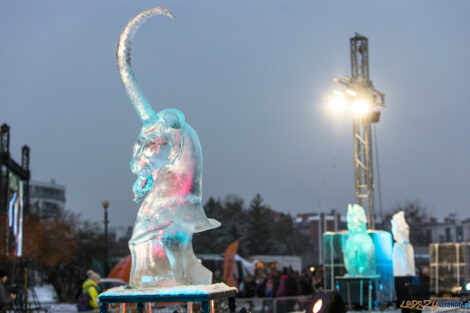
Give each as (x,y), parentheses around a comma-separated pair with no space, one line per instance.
(351,92)
(312,269)
(360,106)
(467,286)
(338,103)
(317,306)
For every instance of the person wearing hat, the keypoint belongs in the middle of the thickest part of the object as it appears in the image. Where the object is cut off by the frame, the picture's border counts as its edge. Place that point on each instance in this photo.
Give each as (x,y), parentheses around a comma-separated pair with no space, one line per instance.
(5,300)
(88,300)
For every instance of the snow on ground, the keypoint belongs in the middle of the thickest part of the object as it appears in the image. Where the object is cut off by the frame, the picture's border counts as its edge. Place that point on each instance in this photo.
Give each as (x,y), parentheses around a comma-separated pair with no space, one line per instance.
(62,308)
(45,293)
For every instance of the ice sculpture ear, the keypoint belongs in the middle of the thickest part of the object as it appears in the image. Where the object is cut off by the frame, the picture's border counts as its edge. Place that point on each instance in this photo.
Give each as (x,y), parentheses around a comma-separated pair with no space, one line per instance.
(172,118)
(174,122)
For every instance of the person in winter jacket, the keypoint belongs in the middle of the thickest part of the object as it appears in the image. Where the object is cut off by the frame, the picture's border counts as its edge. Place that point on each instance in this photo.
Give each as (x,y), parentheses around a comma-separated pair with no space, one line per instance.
(90,291)
(6,300)
(282,289)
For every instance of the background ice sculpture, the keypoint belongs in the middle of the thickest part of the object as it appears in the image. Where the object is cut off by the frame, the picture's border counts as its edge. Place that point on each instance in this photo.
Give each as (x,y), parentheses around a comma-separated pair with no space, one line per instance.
(403,253)
(167,160)
(359,254)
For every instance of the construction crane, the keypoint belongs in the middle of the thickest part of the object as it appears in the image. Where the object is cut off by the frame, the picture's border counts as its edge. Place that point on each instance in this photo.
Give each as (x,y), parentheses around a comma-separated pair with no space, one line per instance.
(359,95)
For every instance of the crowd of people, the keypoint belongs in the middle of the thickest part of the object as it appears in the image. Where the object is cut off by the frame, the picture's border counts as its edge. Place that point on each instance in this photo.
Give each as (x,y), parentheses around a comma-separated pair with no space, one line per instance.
(279,283)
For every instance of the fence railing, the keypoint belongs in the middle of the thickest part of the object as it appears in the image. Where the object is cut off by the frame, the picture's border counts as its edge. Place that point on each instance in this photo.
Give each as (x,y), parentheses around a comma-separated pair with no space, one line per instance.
(253,305)
(274,305)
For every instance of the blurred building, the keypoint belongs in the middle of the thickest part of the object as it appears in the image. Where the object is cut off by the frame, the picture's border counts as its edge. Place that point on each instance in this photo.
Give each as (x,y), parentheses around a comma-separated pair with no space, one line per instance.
(47,198)
(313,225)
(448,229)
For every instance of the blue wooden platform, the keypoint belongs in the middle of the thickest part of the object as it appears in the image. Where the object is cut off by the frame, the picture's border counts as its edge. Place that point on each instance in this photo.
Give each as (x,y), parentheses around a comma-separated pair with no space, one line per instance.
(203,294)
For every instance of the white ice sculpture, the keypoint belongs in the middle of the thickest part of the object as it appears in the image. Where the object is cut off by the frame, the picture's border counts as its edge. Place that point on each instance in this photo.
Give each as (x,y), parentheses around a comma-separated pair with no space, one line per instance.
(167,160)
(403,253)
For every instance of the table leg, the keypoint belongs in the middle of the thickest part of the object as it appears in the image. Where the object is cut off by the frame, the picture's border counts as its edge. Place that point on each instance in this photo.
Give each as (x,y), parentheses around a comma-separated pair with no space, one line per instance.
(140,307)
(103,307)
(379,291)
(205,307)
(231,304)
(361,291)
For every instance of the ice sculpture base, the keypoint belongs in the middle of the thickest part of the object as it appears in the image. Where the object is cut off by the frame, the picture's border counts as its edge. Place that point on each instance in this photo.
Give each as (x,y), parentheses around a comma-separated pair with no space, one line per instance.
(186,293)
(359,290)
(333,260)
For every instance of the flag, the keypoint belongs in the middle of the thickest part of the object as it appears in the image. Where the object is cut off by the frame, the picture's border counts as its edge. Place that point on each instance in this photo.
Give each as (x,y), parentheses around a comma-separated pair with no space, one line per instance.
(229,262)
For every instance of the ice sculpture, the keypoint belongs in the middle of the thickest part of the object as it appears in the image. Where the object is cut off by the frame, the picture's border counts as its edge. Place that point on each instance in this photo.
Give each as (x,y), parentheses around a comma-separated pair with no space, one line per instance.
(359,254)
(167,160)
(403,253)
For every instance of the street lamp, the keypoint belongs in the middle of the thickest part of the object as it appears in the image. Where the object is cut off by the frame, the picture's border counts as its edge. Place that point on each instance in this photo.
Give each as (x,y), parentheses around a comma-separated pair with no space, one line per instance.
(357,95)
(105,205)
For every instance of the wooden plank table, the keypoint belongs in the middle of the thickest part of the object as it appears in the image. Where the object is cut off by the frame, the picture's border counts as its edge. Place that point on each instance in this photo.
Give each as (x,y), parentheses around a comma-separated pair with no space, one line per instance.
(191,293)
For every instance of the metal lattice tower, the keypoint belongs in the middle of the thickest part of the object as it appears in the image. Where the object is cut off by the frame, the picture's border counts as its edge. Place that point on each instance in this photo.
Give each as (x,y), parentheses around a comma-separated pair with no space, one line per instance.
(359,96)
(363,163)
(363,166)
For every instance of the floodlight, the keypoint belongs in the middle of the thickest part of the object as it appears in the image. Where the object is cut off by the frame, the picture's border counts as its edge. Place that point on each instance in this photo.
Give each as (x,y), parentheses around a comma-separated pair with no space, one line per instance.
(326,301)
(338,103)
(360,106)
(317,306)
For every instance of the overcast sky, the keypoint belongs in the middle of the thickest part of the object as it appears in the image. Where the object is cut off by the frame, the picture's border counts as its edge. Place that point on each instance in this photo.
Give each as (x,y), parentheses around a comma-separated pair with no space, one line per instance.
(252,78)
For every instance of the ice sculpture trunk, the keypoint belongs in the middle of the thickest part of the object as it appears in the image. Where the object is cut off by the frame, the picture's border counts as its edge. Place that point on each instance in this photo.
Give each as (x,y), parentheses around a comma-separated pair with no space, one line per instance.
(123,55)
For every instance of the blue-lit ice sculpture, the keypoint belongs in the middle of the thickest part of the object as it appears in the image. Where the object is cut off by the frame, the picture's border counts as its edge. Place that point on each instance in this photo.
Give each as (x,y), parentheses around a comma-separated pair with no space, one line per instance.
(167,160)
(403,253)
(359,253)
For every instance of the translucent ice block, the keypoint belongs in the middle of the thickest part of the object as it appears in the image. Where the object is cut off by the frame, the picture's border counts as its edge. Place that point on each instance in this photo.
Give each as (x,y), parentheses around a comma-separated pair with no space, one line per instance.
(359,254)
(403,253)
(167,160)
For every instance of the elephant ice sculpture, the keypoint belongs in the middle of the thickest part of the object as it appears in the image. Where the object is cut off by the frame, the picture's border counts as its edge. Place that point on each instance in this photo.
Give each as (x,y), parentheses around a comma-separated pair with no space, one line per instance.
(167,160)
(359,253)
(403,253)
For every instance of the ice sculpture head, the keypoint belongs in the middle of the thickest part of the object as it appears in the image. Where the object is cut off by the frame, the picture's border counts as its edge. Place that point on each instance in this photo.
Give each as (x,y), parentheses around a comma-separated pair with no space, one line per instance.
(400,229)
(158,145)
(356,219)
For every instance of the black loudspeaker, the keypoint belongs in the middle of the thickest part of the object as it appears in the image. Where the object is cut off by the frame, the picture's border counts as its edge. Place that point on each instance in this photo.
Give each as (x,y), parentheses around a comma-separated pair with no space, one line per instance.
(326,301)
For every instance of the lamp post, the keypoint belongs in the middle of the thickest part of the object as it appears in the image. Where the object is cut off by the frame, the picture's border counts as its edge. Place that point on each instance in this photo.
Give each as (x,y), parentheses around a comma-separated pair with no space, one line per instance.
(105,205)
(358,95)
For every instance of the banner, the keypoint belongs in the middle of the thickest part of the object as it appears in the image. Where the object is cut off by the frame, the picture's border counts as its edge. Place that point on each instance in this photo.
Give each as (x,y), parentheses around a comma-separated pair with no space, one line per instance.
(230,262)
(15,213)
